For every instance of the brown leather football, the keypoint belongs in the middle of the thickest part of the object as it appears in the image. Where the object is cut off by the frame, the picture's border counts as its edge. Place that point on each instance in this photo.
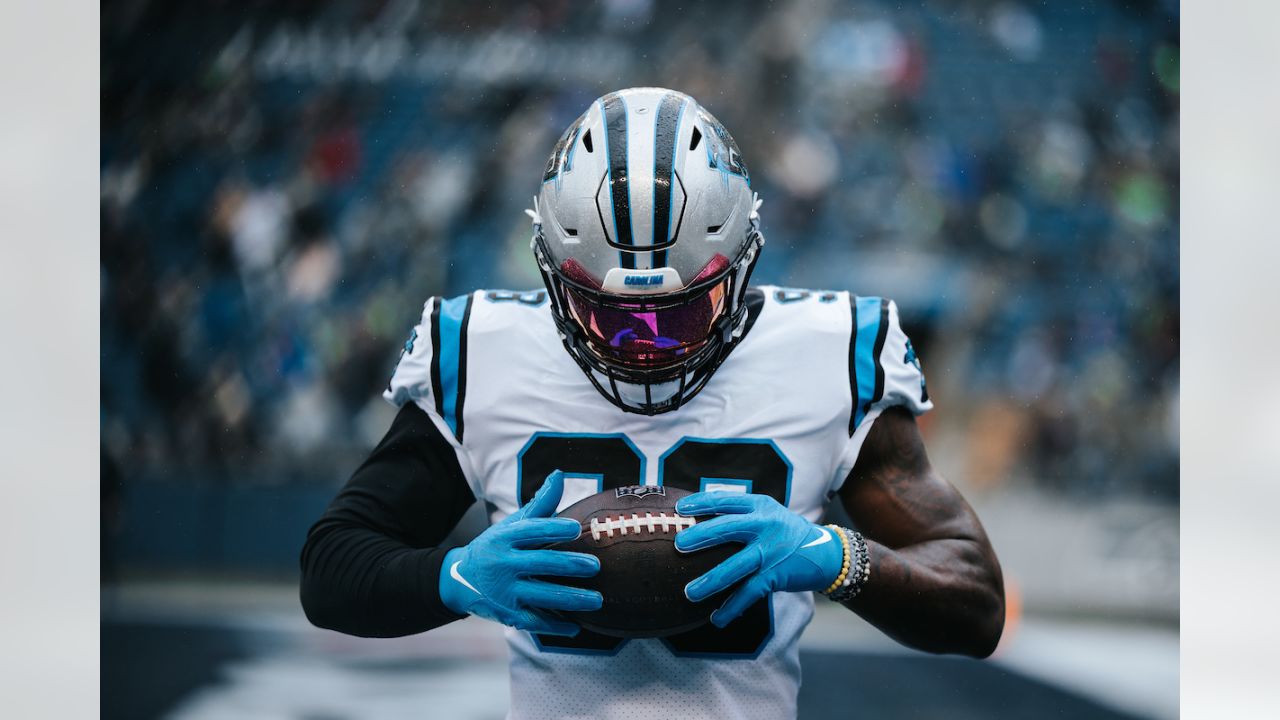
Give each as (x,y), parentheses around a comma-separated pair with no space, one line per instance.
(642,576)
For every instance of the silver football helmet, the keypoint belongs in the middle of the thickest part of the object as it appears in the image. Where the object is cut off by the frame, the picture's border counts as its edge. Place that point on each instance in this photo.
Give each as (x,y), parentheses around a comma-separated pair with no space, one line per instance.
(646,231)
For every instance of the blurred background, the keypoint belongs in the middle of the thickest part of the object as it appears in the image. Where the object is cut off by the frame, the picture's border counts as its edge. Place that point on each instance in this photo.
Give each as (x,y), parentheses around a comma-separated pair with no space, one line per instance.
(283,184)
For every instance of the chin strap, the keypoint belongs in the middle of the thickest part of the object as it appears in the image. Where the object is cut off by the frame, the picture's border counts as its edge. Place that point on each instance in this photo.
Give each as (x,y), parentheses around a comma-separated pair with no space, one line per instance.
(749,264)
(536,216)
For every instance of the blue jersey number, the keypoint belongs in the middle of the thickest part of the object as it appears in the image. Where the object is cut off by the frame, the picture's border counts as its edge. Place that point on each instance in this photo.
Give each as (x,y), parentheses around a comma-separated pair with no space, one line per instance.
(691,464)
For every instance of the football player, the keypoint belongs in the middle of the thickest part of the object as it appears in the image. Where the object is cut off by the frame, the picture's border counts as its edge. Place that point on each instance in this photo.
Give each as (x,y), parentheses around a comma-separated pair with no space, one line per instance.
(649,359)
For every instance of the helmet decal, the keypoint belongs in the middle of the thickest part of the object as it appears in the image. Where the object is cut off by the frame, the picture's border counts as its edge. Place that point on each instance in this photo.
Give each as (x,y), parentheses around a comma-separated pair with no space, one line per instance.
(722,151)
(561,159)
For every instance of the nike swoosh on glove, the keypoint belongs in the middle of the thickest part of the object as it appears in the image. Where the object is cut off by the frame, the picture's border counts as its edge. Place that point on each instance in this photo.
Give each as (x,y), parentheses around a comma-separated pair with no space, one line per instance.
(491,576)
(783,553)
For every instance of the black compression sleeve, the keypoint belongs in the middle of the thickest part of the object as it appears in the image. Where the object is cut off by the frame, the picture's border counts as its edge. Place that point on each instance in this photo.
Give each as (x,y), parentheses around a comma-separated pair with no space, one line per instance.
(370,566)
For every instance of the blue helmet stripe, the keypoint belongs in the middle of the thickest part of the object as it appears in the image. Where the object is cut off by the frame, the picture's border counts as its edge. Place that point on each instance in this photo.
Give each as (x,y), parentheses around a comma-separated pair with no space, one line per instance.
(614,109)
(666,133)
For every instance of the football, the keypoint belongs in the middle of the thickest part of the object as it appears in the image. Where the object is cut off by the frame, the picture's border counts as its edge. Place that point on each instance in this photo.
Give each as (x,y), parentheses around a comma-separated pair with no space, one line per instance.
(642,575)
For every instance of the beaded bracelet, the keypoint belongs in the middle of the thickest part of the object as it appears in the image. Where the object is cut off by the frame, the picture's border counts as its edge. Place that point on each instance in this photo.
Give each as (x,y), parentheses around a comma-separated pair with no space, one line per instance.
(850,558)
(844,568)
(861,568)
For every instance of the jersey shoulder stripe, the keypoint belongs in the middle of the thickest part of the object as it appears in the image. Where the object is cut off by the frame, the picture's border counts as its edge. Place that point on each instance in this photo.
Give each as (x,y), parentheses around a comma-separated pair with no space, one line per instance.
(450,367)
(866,341)
(434,373)
(883,367)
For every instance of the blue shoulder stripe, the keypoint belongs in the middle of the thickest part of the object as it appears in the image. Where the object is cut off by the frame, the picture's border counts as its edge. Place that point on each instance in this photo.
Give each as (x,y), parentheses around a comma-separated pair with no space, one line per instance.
(866,376)
(450,362)
(436,391)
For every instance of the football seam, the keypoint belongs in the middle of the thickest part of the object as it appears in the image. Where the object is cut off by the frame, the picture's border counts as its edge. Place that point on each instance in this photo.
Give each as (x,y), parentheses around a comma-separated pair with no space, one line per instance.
(638,525)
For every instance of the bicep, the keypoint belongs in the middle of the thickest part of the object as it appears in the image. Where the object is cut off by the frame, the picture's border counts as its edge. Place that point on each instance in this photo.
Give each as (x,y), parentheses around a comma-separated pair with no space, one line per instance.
(411,487)
(894,495)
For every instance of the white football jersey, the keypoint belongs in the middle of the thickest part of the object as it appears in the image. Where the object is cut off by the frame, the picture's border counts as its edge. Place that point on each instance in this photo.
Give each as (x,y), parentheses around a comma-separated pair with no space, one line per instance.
(784,415)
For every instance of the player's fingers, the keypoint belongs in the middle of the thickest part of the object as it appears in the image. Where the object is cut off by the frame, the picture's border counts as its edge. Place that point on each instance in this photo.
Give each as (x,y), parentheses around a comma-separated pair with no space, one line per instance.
(716,531)
(547,498)
(744,597)
(558,562)
(534,532)
(743,563)
(538,623)
(716,503)
(550,596)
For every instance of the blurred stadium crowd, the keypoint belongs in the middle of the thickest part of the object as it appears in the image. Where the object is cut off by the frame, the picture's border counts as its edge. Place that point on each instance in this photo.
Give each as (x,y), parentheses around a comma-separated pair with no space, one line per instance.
(284,184)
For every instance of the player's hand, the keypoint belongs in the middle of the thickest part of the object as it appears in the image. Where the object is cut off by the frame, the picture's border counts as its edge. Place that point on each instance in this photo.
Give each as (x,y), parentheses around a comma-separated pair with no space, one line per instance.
(491,575)
(784,552)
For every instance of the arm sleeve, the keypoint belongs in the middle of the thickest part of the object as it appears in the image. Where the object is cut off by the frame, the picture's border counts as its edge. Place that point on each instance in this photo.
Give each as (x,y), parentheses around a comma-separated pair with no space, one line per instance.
(884,372)
(371,564)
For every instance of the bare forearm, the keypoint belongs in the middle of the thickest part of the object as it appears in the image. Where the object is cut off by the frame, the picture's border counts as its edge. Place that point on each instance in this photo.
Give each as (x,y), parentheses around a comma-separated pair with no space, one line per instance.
(935,582)
(940,596)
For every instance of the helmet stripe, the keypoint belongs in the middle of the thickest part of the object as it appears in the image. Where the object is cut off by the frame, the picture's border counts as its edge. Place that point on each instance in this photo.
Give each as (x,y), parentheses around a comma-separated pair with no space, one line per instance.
(666,133)
(615,118)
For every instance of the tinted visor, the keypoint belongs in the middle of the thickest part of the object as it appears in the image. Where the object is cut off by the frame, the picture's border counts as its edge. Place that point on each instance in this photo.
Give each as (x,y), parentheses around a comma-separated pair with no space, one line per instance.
(648,334)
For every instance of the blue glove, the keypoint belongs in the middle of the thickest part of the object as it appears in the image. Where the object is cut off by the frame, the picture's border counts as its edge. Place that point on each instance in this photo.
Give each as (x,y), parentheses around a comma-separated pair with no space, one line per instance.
(490,576)
(783,553)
